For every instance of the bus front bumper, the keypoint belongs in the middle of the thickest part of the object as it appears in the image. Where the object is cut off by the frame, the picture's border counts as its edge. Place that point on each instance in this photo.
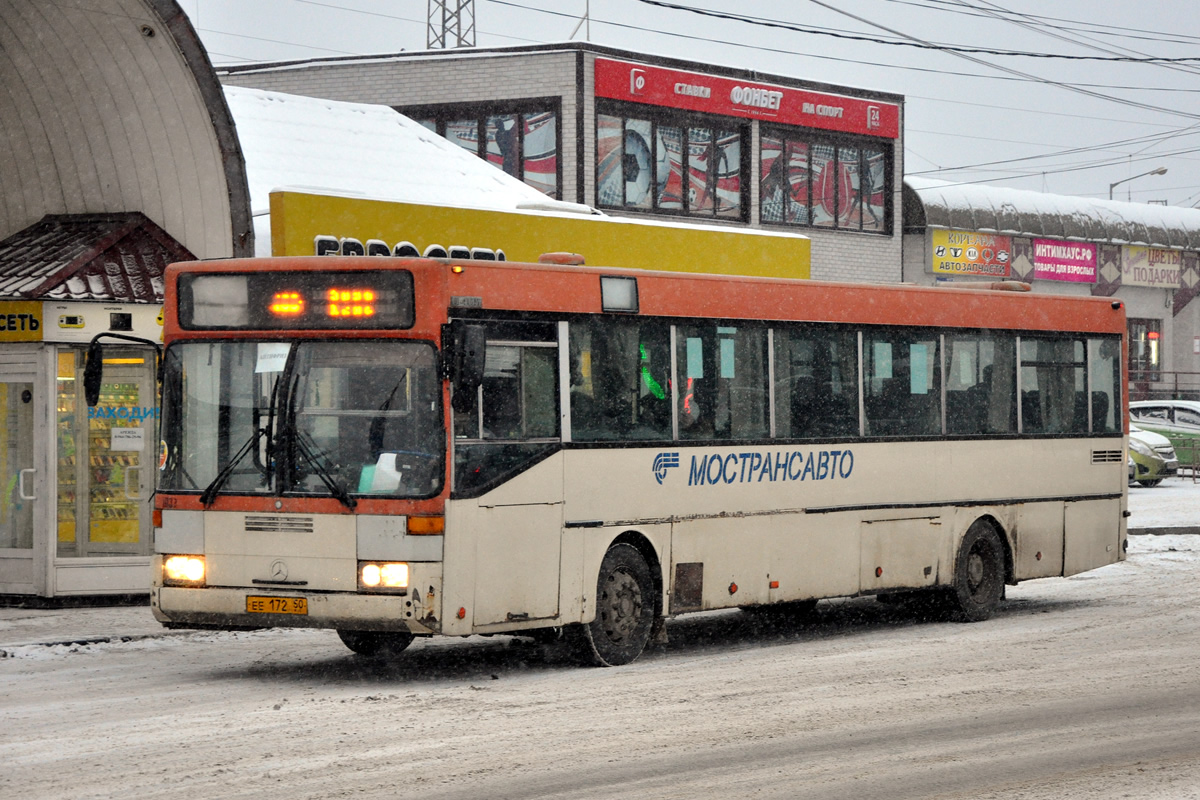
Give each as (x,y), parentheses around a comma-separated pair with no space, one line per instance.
(225,608)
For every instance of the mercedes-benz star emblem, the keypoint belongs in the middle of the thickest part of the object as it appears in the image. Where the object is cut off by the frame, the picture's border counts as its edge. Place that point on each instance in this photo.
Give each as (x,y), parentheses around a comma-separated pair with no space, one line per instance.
(278,570)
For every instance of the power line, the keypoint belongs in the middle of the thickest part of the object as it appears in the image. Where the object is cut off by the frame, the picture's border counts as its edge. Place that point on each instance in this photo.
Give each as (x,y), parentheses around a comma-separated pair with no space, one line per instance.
(906,41)
(954,7)
(1011,71)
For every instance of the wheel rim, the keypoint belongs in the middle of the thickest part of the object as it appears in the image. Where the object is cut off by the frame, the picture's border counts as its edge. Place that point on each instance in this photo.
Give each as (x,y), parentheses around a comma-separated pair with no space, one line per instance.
(978,580)
(621,606)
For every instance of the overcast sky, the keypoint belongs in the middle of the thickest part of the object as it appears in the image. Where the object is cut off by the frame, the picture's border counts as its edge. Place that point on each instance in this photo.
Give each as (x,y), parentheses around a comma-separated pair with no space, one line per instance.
(1063,125)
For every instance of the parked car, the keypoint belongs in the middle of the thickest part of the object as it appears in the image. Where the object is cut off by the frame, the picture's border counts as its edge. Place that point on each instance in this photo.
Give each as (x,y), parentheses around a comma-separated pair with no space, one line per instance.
(1178,420)
(1153,457)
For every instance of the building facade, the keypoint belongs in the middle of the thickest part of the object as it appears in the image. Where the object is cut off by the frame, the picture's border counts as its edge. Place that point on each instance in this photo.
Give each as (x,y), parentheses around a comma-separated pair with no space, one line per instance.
(641,136)
(1146,256)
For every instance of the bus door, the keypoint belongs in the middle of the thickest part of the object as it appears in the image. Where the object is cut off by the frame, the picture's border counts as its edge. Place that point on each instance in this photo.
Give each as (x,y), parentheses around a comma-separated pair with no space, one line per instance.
(502,457)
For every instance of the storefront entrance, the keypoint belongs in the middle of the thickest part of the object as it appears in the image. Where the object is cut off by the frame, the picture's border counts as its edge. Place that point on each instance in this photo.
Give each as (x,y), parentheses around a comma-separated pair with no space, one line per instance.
(104,475)
(18,478)
(76,510)
(104,457)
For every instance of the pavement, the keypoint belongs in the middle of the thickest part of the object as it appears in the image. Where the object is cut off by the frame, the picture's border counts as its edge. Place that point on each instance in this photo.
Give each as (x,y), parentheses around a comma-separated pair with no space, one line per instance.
(1172,507)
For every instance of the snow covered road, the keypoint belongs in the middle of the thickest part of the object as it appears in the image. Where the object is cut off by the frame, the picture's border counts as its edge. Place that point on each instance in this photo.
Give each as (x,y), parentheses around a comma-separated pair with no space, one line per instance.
(1080,687)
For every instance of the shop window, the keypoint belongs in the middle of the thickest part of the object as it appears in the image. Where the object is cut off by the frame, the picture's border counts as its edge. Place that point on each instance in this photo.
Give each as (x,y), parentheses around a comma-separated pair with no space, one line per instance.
(644,164)
(523,143)
(807,181)
(1145,349)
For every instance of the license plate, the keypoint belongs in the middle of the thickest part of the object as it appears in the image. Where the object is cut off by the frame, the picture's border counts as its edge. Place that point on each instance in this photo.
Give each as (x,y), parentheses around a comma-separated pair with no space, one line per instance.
(277,605)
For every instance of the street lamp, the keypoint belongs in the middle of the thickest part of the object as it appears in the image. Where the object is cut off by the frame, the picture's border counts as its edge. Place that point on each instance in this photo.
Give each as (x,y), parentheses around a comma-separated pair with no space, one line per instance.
(1159,171)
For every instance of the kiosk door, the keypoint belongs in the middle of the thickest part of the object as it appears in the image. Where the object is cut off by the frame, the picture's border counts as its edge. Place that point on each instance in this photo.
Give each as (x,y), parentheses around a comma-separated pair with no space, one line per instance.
(20,484)
(105,473)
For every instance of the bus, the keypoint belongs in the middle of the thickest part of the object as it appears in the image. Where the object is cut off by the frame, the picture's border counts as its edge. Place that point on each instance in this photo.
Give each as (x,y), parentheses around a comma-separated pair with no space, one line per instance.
(405,447)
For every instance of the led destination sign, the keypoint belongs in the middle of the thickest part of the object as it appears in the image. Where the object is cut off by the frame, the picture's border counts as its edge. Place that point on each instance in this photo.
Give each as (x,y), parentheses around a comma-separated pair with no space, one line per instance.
(313,300)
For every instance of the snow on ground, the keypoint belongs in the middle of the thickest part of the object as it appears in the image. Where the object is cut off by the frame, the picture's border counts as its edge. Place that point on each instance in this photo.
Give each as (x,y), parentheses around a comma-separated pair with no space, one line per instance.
(1080,687)
(1173,503)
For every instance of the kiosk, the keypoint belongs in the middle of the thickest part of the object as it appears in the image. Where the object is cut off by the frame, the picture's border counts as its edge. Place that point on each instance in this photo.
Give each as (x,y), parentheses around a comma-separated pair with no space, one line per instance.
(75,515)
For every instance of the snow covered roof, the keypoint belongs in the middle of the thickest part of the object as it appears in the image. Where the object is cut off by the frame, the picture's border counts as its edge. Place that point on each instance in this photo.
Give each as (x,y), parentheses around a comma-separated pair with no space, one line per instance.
(1019,212)
(113,257)
(333,147)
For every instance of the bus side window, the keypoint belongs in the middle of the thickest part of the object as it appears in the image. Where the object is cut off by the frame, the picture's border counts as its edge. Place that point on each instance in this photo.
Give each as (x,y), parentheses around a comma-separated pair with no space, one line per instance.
(620,380)
(902,384)
(1053,386)
(816,383)
(520,399)
(1104,365)
(980,384)
(723,382)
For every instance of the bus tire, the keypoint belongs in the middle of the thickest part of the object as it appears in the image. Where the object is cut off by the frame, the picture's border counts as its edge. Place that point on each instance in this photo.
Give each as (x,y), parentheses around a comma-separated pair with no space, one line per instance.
(625,611)
(978,575)
(376,643)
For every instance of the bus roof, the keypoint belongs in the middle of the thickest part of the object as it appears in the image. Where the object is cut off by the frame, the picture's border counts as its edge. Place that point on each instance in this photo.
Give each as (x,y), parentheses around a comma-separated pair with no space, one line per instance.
(552,288)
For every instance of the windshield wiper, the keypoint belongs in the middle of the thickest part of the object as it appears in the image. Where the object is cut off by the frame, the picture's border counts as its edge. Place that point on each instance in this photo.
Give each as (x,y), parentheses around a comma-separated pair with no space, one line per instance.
(210,492)
(308,448)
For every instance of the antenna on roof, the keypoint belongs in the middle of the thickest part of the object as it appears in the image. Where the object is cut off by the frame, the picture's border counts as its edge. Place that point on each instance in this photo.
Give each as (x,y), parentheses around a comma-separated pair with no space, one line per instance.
(451,24)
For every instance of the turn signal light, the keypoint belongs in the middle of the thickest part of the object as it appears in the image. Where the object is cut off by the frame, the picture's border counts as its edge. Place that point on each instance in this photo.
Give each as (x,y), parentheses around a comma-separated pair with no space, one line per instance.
(425,526)
(183,570)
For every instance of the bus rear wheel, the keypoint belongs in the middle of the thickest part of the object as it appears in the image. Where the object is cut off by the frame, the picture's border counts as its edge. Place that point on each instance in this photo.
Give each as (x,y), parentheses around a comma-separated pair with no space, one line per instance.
(978,575)
(376,643)
(624,611)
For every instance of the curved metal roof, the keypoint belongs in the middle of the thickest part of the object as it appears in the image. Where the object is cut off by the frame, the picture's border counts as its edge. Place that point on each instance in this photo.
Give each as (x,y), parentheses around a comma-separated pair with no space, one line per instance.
(113,106)
(1018,212)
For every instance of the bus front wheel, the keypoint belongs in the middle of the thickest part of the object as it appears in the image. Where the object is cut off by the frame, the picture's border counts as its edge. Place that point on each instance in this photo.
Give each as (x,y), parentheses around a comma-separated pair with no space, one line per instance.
(376,643)
(624,610)
(978,575)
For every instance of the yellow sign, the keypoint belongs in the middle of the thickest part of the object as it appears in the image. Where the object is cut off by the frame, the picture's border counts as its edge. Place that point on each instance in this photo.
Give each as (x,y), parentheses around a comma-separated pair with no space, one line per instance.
(299,221)
(968,253)
(21,321)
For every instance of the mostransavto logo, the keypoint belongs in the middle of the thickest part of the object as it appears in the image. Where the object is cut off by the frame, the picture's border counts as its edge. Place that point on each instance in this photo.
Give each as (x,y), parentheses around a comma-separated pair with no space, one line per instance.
(663,462)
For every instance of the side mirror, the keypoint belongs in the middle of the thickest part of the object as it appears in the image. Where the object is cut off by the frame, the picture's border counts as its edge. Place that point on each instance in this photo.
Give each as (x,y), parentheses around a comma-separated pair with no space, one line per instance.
(93,372)
(468,356)
(93,367)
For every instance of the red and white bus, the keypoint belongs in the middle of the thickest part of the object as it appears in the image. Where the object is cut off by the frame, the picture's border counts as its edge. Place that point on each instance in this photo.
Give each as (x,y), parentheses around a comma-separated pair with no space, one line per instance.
(396,447)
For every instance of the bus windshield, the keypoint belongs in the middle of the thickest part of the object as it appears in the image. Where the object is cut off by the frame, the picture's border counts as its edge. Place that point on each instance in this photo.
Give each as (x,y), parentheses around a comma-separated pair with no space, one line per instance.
(340,418)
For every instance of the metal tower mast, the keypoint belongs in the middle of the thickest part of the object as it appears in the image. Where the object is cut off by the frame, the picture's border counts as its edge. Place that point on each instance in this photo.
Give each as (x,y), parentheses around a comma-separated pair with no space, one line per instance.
(451,24)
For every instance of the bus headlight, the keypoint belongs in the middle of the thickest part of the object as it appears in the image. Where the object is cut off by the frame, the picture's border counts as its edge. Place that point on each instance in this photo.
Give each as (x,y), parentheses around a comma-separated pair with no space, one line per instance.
(376,576)
(183,571)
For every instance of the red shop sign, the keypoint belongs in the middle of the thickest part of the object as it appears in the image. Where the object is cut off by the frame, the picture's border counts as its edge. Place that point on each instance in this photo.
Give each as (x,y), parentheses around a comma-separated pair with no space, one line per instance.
(693,91)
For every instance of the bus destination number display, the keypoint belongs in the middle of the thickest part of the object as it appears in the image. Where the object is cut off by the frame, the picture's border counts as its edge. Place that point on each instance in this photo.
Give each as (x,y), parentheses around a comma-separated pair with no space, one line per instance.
(312,300)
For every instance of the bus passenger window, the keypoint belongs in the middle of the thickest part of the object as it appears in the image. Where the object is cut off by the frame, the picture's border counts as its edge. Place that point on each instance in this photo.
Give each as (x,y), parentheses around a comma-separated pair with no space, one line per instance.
(520,395)
(816,383)
(1053,386)
(722,382)
(620,380)
(902,384)
(1104,365)
(980,384)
